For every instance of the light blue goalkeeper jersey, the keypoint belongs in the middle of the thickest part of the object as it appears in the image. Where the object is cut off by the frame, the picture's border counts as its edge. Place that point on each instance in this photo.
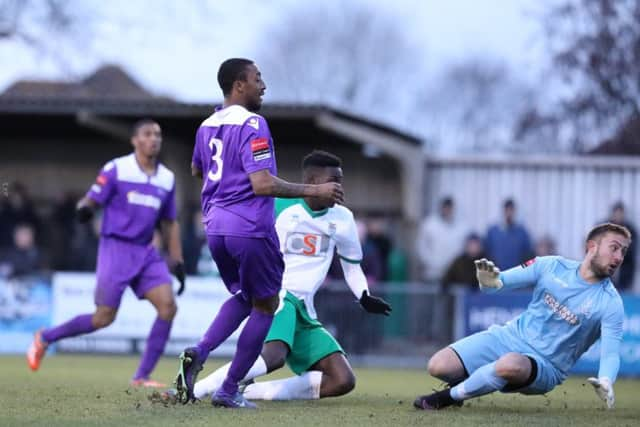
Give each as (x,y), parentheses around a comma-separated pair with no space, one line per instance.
(567,315)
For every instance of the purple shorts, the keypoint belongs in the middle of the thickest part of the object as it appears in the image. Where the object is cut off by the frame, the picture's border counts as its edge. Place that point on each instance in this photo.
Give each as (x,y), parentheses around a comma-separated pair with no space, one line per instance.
(122,264)
(251,265)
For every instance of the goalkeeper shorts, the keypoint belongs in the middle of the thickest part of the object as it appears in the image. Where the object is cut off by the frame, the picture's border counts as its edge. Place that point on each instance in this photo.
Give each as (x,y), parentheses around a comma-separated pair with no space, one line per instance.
(488,346)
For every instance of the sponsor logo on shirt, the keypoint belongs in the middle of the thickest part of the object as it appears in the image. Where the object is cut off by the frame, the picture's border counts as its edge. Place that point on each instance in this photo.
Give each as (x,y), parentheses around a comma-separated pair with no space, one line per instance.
(148,200)
(101,180)
(560,309)
(306,244)
(528,263)
(260,149)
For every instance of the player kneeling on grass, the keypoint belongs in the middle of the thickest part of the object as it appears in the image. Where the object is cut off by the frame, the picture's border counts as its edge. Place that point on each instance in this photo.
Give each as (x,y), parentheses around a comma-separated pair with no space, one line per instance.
(574,303)
(308,230)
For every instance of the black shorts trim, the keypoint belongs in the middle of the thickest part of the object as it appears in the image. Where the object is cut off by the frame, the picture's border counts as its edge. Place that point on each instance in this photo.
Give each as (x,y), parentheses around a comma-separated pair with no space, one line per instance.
(466,372)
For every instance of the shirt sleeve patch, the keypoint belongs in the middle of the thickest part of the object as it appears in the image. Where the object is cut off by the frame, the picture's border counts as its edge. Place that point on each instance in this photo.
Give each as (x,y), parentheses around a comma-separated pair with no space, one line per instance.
(260,149)
(528,263)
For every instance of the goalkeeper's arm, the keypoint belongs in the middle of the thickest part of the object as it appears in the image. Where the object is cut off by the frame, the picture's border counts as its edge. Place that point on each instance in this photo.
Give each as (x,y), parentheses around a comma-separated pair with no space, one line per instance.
(610,340)
(491,279)
(488,275)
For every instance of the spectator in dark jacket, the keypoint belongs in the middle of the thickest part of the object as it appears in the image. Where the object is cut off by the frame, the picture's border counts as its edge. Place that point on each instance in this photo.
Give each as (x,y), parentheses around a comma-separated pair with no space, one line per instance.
(462,270)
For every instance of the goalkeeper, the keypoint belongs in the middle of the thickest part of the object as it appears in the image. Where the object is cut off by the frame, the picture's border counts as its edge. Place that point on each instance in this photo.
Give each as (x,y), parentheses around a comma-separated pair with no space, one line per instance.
(574,303)
(309,230)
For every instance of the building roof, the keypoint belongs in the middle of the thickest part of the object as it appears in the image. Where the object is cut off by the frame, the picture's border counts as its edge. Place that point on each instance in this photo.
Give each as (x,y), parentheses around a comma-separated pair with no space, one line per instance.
(107,82)
(111,91)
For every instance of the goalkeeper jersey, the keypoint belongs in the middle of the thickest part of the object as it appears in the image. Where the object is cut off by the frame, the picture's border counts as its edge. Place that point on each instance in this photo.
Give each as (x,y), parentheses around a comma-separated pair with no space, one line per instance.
(566,314)
(308,240)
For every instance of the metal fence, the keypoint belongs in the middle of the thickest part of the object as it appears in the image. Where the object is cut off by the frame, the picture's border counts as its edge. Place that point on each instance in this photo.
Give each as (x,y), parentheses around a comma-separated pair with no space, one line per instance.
(422,321)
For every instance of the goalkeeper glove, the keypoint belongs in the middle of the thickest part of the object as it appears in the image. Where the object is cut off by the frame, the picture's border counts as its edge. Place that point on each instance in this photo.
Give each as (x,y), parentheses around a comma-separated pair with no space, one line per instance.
(178,271)
(374,304)
(488,274)
(604,390)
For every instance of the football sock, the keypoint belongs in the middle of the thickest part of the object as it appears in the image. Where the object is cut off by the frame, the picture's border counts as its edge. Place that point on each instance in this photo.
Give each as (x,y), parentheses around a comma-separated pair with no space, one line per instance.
(483,380)
(156,342)
(231,314)
(305,386)
(77,326)
(211,383)
(248,349)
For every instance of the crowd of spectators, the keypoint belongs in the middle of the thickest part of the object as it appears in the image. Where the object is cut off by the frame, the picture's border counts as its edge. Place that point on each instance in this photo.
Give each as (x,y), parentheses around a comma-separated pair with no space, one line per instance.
(447,254)
(36,241)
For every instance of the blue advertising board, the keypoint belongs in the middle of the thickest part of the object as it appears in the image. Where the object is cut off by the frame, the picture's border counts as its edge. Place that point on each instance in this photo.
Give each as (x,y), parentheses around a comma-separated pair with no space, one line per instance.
(483,310)
(25,307)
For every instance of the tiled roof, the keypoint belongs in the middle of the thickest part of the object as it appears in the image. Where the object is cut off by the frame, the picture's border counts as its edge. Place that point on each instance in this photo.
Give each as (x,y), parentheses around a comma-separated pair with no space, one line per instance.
(108,82)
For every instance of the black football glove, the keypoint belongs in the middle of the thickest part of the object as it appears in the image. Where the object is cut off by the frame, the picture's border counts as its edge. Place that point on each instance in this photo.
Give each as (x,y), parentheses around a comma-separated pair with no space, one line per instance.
(84,214)
(374,304)
(178,271)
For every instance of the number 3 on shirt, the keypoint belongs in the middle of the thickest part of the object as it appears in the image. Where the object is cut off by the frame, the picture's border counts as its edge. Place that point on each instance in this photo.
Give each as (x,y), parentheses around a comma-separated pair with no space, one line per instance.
(216,158)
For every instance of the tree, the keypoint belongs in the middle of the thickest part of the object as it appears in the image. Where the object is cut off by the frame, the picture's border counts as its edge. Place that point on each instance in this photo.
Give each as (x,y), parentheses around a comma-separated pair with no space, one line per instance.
(473,106)
(595,50)
(346,54)
(42,25)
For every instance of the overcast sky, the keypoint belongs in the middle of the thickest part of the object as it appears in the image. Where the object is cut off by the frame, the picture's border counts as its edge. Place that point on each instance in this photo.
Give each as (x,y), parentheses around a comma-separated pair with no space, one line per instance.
(174,47)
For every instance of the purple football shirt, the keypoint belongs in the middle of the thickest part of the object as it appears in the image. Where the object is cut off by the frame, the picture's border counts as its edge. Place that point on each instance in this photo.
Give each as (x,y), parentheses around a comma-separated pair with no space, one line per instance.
(231,144)
(133,202)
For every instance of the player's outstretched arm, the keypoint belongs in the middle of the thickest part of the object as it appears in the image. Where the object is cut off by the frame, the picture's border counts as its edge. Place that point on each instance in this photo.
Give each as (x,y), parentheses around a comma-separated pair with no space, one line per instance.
(171,235)
(488,275)
(265,184)
(85,209)
(611,331)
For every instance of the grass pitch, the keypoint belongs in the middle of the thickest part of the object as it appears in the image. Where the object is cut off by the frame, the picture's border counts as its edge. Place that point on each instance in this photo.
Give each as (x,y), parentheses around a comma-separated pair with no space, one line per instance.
(92,390)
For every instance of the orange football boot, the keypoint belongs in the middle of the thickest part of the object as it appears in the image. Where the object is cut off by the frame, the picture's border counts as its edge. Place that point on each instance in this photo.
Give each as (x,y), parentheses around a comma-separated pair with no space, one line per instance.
(36,351)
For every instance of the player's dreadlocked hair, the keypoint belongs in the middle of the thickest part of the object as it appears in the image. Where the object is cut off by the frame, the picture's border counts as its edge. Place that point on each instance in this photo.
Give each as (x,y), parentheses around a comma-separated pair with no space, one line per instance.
(608,227)
(232,70)
(142,122)
(319,158)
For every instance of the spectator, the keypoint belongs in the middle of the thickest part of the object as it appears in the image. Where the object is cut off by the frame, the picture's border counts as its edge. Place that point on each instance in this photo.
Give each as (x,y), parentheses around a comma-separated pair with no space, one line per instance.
(508,244)
(624,281)
(84,245)
(372,262)
(62,226)
(546,246)
(377,235)
(440,239)
(194,243)
(462,271)
(23,258)
(16,209)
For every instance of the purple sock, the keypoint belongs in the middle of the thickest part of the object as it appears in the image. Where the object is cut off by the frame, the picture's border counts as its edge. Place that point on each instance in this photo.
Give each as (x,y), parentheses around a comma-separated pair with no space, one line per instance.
(156,342)
(77,326)
(248,349)
(231,314)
